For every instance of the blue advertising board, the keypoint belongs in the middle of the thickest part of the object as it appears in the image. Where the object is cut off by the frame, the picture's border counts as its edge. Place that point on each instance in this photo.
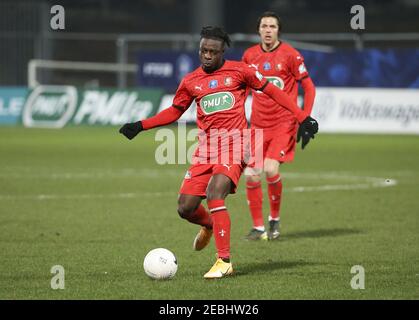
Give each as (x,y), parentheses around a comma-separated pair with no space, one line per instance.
(12,100)
(377,68)
(165,69)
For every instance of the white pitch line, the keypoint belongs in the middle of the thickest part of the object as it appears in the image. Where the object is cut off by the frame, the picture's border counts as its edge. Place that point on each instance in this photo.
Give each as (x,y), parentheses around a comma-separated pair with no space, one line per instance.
(84,196)
(158,173)
(379,183)
(151,173)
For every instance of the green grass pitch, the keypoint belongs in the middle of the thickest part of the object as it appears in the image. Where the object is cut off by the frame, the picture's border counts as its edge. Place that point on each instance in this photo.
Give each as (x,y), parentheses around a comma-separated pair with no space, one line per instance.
(90,200)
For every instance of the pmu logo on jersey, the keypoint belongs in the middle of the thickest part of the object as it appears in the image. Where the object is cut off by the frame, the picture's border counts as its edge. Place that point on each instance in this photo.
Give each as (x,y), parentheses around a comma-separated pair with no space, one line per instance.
(266,66)
(216,102)
(213,84)
(276,81)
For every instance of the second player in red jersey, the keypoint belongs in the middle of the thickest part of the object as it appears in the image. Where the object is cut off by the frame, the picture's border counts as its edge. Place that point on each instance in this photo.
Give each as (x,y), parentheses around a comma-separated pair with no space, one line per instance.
(284,67)
(219,89)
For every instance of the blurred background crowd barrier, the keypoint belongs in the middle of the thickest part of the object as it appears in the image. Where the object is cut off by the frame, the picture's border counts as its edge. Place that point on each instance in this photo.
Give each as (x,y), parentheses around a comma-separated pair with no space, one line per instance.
(117,61)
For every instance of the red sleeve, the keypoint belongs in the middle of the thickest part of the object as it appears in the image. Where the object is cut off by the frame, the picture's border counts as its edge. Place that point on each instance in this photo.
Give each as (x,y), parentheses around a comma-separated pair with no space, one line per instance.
(244,58)
(181,103)
(281,98)
(309,94)
(163,118)
(183,98)
(253,78)
(297,66)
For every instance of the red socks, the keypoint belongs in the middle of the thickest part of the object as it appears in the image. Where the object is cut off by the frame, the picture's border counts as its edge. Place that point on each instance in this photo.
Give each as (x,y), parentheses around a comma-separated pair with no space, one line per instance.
(254,200)
(201,217)
(221,227)
(275,193)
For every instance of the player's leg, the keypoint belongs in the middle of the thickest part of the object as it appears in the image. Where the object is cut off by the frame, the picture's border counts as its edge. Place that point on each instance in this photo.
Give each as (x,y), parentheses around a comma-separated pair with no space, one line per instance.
(255,201)
(218,188)
(254,192)
(190,208)
(280,150)
(273,178)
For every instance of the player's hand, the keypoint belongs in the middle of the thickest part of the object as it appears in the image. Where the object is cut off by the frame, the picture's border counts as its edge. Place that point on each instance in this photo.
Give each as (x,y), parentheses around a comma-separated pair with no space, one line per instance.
(130,130)
(308,128)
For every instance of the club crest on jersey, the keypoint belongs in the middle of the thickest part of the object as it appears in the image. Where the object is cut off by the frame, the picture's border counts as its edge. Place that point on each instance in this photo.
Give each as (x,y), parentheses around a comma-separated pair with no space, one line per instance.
(278,66)
(228,81)
(213,84)
(266,66)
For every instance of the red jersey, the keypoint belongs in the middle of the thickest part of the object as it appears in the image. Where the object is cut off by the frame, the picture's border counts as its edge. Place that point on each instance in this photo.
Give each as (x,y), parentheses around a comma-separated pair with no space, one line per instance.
(220,98)
(283,67)
(220,95)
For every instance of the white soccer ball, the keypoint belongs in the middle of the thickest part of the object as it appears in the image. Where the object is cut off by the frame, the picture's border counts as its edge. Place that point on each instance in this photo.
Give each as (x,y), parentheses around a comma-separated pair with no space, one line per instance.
(160,264)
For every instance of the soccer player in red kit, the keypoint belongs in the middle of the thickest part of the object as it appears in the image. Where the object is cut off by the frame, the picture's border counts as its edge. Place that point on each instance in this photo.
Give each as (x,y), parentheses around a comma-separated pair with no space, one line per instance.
(219,89)
(284,67)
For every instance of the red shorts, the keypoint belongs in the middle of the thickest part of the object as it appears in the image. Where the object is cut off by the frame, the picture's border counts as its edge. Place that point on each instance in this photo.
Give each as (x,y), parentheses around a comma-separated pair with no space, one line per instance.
(279,143)
(198,176)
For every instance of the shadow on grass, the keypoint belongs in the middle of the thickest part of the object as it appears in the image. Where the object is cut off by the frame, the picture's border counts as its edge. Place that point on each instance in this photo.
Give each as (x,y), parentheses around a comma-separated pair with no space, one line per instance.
(267,266)
(319,233)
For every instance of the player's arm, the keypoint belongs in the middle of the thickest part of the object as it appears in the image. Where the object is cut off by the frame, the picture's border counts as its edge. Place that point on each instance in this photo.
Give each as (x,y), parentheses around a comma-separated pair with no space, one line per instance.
(181,103)
(281,98)
(300,73)
(244,57)
(309,94)
(165,117)
(308,126)
(255,80)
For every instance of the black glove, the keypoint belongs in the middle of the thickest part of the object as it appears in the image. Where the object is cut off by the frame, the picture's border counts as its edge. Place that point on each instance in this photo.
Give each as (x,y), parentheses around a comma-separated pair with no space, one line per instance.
(308,128)
(130,130)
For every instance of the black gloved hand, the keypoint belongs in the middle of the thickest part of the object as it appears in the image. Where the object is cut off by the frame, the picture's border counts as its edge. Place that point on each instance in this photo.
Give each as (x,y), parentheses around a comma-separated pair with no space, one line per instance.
(308,128)
(130,130)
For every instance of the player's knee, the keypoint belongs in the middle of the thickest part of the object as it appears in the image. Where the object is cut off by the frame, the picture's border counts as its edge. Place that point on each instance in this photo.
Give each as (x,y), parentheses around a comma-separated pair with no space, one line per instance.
(271,173)
(271,169)
(185,211)
(250,172)
(253,179)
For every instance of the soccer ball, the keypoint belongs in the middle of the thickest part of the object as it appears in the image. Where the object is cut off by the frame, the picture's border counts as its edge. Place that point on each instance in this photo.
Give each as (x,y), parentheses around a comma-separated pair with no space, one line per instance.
(160,264)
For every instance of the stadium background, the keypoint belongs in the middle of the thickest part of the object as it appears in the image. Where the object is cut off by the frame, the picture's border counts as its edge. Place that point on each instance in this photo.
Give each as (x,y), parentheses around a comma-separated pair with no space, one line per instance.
(84,198)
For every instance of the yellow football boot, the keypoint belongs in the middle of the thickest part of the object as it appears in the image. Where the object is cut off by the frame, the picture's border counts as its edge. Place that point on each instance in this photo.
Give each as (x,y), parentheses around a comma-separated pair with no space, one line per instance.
(202,238)
(219,270)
